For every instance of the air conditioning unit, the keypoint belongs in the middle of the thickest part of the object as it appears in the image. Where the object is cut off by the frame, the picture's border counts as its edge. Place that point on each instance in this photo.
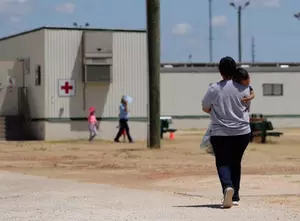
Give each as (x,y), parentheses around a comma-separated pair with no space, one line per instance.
(97,57)
(98,70)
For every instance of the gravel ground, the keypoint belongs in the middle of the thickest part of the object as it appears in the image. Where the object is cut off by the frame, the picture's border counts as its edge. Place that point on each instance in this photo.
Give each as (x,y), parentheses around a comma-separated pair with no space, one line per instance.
(29,198)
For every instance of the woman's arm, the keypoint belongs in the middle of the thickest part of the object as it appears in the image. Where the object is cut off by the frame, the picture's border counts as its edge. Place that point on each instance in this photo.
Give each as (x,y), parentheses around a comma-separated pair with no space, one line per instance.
(125,106)
(207,100)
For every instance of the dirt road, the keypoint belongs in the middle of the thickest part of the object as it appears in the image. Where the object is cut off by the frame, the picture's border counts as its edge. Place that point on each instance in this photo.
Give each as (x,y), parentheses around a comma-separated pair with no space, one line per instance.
(25,198)
(110,181)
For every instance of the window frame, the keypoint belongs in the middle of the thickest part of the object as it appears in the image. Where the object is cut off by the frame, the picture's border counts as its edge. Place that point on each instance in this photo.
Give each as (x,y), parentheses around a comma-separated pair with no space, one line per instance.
(272,93)
(38,76)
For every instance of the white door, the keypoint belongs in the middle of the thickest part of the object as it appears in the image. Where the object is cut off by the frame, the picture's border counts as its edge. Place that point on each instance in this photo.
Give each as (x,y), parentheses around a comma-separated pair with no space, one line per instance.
(10,78)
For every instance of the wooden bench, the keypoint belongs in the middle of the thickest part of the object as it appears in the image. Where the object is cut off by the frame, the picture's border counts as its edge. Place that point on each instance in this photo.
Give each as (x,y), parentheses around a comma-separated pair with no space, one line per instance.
(165,126)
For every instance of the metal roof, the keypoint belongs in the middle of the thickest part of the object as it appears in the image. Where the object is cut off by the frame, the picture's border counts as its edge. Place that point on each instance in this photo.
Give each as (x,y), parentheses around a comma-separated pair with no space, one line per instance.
(71,29)
(189,70)
(213,67)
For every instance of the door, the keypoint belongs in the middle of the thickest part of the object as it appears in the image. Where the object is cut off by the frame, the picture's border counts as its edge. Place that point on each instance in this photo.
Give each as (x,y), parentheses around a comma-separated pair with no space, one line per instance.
(11,77)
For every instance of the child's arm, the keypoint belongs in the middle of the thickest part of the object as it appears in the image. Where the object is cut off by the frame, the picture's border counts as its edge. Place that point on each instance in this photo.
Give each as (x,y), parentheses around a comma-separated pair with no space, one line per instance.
(249,98)
(206,110)
(97,123)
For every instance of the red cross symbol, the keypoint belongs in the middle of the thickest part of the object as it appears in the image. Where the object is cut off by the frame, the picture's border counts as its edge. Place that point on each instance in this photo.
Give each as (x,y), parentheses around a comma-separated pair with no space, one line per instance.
(67,87)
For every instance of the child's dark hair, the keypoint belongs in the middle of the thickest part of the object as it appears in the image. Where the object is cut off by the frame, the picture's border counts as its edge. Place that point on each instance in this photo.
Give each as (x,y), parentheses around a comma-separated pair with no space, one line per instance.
(227,67)
(241,74)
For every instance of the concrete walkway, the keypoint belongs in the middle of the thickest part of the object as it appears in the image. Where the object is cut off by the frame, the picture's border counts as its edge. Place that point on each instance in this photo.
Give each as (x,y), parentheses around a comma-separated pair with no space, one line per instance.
(29,198)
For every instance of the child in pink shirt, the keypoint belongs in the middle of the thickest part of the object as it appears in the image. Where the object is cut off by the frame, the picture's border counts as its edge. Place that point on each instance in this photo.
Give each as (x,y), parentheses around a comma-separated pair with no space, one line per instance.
(93,124)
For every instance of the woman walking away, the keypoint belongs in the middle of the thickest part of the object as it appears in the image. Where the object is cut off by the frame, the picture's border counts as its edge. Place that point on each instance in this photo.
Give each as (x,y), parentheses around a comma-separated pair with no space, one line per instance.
(230,128)
(242,76)
(123,121)
(93,123)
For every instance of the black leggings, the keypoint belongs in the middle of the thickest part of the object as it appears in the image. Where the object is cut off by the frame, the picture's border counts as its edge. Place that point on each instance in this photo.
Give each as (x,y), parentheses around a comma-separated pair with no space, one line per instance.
(229,151)
(123,126)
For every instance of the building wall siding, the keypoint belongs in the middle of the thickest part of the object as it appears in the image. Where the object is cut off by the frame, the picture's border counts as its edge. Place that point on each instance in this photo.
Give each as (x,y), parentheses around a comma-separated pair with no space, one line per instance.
(182,93)
(63,61)
(130,71)
(31,46)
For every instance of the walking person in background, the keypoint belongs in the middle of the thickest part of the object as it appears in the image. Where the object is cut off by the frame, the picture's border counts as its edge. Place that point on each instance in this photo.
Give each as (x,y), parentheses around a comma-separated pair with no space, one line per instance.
(230,128)
(123,121)
(93,123)
(123,134)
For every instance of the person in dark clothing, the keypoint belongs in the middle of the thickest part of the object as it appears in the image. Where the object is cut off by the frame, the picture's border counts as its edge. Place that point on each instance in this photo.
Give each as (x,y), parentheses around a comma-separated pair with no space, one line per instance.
(230,128)
(123,121)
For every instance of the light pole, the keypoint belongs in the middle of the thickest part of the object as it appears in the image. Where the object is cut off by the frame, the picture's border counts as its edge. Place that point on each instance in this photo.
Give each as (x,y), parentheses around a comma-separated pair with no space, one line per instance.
(239,9)
(75,24)
(297,15)
(210,31)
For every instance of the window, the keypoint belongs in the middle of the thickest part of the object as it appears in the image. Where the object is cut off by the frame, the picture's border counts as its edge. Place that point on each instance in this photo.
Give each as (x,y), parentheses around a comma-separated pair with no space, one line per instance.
(272,89)
(38,75)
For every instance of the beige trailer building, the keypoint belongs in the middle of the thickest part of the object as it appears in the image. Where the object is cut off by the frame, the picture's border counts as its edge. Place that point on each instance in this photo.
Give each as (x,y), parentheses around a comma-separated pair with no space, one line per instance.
(64,71)
(275,86)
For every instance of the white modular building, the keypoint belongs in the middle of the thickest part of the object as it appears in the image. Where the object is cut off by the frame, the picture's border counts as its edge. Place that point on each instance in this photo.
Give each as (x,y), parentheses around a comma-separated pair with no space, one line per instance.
(275,86)
(64,71)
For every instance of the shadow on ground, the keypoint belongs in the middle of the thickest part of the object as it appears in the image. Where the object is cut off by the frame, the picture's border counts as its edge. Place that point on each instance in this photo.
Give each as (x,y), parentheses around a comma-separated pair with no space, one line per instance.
(211,206)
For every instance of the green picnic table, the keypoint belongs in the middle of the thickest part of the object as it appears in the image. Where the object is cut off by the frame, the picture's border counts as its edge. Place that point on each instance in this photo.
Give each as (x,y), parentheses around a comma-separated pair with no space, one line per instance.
(261,127)
(165,122)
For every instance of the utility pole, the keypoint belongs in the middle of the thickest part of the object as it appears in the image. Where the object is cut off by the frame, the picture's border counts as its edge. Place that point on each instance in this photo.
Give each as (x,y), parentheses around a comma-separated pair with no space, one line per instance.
(210,31)
(240,32)
(253,49)
(239,9)
(153,40)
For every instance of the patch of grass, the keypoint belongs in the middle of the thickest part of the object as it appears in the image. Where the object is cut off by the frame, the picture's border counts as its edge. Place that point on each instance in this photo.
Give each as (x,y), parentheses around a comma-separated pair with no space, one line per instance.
(40,148)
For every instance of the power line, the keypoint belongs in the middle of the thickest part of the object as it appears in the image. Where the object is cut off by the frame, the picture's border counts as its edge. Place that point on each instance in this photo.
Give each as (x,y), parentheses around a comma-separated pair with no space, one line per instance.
(210,31)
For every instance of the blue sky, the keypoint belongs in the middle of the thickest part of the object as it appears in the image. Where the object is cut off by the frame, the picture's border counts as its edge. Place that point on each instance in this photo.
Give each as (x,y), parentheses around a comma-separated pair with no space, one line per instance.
(184,24)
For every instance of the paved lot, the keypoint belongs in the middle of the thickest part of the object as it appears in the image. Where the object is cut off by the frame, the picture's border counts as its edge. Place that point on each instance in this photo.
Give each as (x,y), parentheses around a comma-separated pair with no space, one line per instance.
(29,198)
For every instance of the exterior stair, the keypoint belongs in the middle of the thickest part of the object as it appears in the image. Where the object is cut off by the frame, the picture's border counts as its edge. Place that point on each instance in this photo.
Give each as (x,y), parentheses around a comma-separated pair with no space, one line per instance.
(12,129)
